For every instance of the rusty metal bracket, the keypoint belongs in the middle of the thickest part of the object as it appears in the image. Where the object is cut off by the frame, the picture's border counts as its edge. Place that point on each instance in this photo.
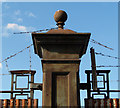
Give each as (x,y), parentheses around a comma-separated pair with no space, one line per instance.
(84,86)
(36,86)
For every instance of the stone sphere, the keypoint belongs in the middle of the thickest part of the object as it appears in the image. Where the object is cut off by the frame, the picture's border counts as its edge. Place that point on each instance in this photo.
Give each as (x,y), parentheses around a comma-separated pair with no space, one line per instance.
(60,16)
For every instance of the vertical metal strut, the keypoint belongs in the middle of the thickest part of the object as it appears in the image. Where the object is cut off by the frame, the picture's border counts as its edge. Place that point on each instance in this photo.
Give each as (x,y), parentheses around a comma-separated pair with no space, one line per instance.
(93,63)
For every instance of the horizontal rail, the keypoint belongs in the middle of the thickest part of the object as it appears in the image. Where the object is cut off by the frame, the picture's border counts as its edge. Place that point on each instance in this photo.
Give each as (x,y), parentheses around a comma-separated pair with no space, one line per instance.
(14,91)
(29,91)
(105,90)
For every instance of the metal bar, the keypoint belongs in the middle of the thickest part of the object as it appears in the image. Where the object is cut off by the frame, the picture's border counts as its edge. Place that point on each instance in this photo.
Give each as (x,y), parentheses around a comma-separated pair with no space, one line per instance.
(17,103)
(29,103)
(94,76)
(11,103)
(97,103)
(12,86)
(97,71)
(23,103)
(5,103)
(108,103)
(36,86)
(35,103)
(115,103)
(102,103)
(86,103)
(29,91)
(114,90)
(107,76)
(14,91)
(32,90)
(1,103)
(88,82)
(119,102)
(89,103)
(20,103)
(23,71)
(104,90)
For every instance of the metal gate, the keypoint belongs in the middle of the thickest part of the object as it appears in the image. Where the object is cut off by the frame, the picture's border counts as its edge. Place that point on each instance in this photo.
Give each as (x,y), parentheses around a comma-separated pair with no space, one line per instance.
(30,103)
(102,103)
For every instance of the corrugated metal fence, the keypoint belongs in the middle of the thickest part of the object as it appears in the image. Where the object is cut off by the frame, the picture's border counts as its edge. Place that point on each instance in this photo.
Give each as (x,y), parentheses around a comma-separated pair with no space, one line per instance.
(102,103)
(18,103)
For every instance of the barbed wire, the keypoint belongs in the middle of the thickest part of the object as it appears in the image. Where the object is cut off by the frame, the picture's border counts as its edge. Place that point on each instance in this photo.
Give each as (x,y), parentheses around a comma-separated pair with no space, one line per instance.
(5,60)
(6,68)
(35,31)
(93,41)
(5,74)
(16,53)
(109,81)
(7,65)
(30,57)
(97,53)
(106,66)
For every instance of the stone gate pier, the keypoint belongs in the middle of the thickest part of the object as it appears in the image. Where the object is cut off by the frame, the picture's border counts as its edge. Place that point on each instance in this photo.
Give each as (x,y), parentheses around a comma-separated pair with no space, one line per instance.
(60,51)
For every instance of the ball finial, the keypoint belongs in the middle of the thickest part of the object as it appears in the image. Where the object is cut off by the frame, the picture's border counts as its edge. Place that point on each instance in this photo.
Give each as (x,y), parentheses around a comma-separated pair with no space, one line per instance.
(60,17)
